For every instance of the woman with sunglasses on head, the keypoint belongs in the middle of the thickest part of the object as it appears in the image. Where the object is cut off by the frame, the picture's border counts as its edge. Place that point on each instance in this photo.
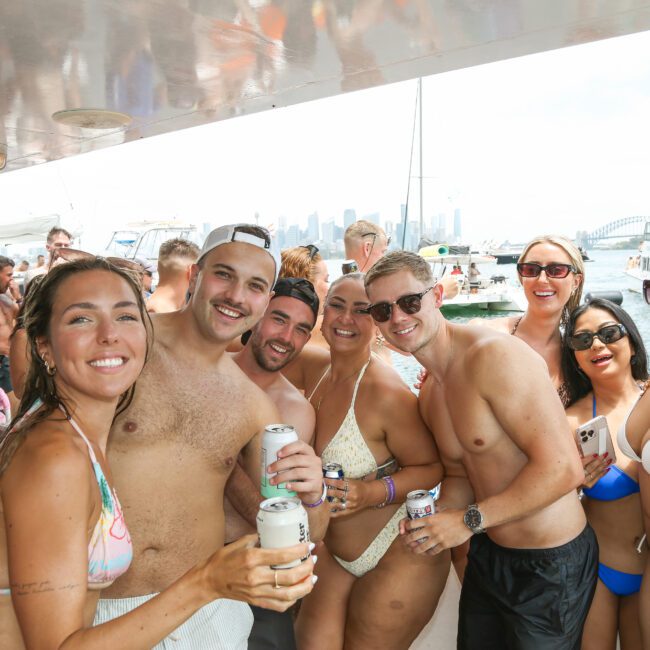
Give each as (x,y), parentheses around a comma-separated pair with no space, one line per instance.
(605,366)
(63,537)
(367,420)
(551,272)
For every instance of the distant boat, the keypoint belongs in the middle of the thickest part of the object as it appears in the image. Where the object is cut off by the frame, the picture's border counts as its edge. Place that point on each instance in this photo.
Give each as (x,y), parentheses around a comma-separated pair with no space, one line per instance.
(638,267)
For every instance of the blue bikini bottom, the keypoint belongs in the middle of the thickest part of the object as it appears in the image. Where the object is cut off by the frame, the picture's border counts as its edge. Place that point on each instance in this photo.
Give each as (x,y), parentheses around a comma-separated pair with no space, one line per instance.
(619,583)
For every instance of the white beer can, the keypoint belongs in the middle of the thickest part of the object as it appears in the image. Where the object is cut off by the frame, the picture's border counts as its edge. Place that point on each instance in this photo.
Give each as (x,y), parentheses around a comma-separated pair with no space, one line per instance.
(275,437)
(281,523)
(420,503)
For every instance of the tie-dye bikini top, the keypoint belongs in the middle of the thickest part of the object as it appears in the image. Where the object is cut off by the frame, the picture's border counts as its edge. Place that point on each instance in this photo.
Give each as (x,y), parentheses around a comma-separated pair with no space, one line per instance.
(110,550)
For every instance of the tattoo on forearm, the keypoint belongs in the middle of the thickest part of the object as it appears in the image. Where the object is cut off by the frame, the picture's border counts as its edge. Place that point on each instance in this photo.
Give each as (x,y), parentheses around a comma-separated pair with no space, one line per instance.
(30,588)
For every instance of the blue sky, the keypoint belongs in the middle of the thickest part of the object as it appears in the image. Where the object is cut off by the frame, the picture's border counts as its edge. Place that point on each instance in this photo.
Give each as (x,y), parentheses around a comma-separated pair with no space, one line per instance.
(557,141)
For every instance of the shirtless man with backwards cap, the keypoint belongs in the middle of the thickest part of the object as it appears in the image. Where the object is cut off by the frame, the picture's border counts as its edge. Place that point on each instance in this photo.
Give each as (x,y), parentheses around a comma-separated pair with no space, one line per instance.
(174,448)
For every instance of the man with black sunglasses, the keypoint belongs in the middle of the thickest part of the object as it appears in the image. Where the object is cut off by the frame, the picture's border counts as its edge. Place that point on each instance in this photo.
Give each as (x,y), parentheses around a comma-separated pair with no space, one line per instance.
(511,470)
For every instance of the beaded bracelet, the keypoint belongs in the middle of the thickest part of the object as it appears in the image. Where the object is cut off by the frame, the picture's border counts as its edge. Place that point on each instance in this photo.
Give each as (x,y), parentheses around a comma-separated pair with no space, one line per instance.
(389,486)
(322,498)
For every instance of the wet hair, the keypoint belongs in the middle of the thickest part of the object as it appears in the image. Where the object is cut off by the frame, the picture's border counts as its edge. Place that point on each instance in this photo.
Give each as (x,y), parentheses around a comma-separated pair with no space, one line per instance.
(578,384)
(400,261)
(576,260)
(37,320)
(299,262)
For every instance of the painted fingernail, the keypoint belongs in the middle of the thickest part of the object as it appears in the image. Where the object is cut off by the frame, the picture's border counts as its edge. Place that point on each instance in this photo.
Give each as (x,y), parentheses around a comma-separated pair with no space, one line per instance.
(610,461)
(314,558)
(606,454)
(312,546)
(607,470)
(595,456)
(314,580)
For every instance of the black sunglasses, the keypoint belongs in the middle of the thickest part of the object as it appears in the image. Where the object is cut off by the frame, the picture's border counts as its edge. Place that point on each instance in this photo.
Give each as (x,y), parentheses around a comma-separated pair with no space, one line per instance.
(311,251)
(555,270)
(607,334)
(646,290)
(411,303)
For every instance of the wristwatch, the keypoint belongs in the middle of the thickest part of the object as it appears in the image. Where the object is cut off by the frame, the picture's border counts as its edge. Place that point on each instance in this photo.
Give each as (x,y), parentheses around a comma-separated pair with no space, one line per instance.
(474,519)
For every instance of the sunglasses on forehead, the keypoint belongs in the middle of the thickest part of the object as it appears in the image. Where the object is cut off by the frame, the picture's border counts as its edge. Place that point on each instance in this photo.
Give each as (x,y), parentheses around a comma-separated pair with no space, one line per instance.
(606,334)
(555,270)
(411,303)
(62,255)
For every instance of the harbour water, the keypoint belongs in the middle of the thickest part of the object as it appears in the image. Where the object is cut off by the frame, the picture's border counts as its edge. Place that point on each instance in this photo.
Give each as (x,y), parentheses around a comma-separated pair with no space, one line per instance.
(604,273)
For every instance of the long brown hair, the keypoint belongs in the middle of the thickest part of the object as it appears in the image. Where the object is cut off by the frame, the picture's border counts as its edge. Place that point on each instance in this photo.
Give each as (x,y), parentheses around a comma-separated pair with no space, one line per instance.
(39,384)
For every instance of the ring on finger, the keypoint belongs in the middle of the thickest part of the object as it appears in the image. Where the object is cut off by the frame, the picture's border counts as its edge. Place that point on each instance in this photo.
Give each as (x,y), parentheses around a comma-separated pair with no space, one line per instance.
(275,576)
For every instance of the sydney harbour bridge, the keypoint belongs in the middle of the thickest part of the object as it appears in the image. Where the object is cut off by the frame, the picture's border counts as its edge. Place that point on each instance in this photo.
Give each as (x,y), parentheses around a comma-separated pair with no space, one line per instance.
(624,228)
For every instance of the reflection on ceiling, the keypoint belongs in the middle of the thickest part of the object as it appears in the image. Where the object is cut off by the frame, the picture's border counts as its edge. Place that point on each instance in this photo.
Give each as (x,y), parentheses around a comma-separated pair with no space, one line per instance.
(128,69)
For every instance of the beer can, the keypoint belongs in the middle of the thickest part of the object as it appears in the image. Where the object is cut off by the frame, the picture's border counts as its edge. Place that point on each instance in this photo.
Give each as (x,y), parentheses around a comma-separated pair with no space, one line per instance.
(282,522)
(349,266)
(420,503)
(275,437)
(333,471)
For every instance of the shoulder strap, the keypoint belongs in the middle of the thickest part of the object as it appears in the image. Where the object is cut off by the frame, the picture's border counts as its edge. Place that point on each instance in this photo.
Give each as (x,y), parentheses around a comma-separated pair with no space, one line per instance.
(319,383)
(358,382)
(76,427)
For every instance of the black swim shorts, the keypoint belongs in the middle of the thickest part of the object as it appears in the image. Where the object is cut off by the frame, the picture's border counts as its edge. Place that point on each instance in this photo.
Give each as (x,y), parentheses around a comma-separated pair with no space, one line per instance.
(527,599)
(5,377)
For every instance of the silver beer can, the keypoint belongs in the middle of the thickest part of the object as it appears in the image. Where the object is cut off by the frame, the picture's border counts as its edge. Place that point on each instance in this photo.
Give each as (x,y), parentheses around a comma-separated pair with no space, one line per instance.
(281,523)
(333,471)
(274,438)
(420,503)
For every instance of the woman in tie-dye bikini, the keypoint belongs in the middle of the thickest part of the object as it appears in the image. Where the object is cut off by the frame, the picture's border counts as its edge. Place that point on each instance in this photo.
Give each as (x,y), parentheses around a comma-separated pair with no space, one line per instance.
(62,535)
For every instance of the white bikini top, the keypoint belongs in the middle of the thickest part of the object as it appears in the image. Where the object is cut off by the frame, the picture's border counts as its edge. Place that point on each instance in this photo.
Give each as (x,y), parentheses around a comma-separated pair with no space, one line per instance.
(626,447)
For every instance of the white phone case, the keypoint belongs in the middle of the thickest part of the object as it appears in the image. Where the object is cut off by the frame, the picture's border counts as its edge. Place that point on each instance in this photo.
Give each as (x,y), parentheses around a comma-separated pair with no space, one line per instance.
(594,438)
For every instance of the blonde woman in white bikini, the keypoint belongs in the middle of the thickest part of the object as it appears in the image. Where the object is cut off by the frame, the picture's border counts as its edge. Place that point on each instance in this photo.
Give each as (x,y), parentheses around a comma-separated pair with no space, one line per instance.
(371,592)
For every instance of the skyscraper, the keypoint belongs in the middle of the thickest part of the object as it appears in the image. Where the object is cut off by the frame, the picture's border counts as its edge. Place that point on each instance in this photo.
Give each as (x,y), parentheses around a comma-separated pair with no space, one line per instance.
(349,217)
(457,228)
(313,228)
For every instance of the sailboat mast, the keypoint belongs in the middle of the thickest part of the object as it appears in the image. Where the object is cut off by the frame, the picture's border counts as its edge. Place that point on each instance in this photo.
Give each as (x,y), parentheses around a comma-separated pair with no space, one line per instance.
(421,156)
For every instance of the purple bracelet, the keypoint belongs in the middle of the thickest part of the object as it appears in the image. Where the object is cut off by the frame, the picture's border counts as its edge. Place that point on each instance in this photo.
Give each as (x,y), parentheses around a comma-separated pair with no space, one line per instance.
(322,498)
(391,488)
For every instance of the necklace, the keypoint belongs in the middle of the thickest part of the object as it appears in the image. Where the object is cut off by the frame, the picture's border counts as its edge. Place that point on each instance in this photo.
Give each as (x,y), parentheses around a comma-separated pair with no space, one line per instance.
(338,383)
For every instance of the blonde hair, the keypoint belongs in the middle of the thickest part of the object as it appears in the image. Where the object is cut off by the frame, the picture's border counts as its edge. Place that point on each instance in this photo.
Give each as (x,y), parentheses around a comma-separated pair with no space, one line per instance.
(296,263)
(576,260)
(356,231)
(400,261)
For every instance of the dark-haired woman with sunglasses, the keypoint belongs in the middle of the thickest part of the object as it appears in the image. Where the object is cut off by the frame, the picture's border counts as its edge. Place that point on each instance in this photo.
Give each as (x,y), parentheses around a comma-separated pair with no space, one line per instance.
(551,272)
(367,420)
(605,365)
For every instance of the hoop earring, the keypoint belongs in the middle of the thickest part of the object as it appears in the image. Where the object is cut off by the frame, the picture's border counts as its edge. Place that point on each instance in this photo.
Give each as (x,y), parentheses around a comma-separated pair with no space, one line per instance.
(51,371)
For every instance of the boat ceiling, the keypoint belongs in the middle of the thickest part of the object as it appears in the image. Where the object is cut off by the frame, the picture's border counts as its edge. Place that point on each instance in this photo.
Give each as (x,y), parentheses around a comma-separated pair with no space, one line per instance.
(165,65)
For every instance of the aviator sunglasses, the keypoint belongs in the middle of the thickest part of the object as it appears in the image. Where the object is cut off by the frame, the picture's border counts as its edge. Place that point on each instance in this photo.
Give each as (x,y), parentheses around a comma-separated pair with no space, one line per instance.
(554,270)
(606,334)
(411,303)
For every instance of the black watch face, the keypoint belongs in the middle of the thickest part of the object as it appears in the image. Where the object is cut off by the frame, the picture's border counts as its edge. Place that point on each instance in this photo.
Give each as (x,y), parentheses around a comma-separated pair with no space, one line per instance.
(473,518)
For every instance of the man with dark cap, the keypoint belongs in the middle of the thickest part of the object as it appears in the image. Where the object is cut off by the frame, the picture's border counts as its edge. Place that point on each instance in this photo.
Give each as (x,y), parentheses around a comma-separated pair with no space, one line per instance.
(275,341)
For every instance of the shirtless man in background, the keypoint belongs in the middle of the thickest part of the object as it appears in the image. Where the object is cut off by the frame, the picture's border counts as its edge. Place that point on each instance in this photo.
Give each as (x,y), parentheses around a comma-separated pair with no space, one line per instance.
(173,449)
(8,311)
(175,259)
(276,340)
(511,469)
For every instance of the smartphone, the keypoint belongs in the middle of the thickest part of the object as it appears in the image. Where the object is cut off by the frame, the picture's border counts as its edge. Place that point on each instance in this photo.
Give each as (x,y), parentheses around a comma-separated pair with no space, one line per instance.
(594,438)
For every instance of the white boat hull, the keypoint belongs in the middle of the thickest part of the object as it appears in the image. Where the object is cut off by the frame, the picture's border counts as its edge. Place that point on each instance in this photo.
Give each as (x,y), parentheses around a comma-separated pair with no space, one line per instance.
(635,278)
(496,299)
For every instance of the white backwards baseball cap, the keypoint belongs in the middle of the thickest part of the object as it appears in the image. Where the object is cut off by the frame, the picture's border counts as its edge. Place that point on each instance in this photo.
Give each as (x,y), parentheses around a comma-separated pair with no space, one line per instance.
(241,232)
